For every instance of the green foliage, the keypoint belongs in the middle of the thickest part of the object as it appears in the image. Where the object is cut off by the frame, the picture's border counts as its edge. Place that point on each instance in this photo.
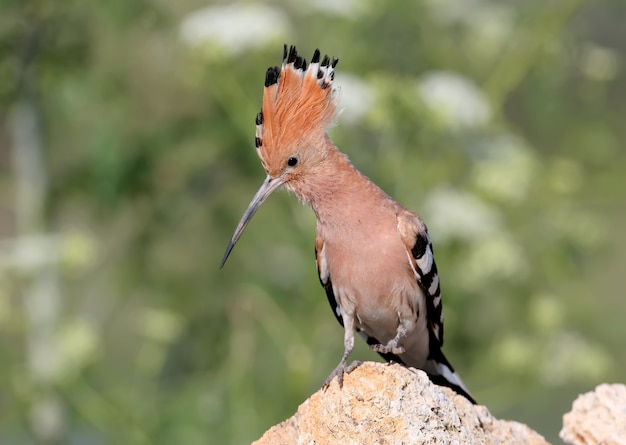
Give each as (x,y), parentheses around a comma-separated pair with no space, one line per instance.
(500,122)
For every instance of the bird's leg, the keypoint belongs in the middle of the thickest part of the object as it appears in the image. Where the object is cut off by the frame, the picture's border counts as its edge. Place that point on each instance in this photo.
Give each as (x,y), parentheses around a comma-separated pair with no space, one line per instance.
(393,346)
(348,344)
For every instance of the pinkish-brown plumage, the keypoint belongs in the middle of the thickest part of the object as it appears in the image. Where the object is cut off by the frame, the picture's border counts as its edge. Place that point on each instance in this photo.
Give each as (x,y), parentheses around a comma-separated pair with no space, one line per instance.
(374,257)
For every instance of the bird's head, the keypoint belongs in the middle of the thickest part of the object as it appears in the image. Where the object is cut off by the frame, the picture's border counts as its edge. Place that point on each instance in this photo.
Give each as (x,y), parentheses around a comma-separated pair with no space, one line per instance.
(298,106)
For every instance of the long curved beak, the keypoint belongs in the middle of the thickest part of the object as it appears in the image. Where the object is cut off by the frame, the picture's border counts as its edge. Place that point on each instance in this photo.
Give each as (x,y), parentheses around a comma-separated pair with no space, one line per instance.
(266,189)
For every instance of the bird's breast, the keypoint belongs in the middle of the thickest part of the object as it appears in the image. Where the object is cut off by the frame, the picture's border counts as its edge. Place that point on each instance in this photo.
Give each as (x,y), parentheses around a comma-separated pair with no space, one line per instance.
(372,278)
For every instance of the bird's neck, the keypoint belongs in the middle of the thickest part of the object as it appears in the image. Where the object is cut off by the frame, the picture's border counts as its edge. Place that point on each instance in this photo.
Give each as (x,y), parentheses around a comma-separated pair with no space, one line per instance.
(336,191)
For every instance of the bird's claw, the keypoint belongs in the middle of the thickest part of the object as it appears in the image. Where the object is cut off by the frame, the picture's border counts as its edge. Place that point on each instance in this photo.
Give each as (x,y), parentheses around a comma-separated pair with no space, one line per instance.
(388,348)
(339,371)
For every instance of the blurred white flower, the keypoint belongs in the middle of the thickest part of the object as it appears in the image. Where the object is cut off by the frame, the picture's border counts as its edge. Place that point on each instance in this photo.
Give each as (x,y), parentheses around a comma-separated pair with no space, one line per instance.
(487,25)
(454,99)
(341,8)
(29,252)
(493,254)
(514,352)
(506,168)
(235,27)
(78,250)
(570,357)
(460,215)
(160,325)
(546,312)
(47,415)
(78,345)
(489,30)
(498,256)
(452,11)
(355,97)
(599,63)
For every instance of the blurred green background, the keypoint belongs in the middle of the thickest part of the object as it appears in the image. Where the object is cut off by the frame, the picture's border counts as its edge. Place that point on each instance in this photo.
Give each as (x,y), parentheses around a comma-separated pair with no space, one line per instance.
(127,158)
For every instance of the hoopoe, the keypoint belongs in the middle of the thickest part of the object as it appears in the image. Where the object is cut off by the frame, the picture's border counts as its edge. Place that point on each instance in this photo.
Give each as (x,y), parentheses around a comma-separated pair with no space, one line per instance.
(374,257)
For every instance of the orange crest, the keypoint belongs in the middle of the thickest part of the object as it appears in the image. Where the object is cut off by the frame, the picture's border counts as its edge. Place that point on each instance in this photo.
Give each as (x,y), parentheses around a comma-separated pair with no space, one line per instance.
(297,105)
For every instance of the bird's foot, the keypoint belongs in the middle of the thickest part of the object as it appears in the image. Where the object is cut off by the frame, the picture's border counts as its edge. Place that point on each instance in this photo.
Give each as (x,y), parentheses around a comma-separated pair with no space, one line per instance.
(391,347)
(339,372)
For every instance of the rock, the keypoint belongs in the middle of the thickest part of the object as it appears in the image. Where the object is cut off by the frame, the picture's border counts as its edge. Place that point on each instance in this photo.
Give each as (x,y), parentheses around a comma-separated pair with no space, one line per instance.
(597,417)
(391,404)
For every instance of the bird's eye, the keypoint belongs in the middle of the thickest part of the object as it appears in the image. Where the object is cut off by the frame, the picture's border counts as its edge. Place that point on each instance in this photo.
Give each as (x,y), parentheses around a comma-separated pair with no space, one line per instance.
(292,162)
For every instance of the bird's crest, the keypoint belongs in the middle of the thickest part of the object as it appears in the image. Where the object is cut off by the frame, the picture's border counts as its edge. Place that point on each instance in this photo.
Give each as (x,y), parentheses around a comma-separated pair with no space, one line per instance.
(297,102)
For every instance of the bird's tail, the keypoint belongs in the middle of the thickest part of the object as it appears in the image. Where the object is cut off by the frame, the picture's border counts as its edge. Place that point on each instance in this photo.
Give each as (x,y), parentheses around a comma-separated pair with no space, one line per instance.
(437,367)
(442,373)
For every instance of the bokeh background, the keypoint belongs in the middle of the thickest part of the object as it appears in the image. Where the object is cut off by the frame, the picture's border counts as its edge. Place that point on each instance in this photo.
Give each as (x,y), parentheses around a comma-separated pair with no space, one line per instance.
(127,158)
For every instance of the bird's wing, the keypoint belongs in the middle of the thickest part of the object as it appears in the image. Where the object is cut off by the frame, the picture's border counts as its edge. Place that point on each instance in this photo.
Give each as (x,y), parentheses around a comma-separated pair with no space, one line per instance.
(419,247)
(324,274)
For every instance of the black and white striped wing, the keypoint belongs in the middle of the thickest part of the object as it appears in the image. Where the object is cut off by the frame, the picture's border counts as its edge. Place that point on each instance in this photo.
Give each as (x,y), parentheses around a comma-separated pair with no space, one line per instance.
(324,275)
(420,251)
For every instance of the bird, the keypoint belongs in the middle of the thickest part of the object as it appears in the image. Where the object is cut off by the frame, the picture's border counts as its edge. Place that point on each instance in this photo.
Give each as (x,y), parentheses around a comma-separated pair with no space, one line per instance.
(374,257)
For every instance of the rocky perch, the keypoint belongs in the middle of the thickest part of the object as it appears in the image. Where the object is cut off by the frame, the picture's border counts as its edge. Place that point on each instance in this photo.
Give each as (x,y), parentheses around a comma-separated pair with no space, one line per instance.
(390,404)
(597,417)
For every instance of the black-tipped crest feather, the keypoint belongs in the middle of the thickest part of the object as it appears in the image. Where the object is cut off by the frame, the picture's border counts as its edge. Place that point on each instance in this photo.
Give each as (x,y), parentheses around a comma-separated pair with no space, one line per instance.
(297,64)
(271,77)
(316,56)
(292,54)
